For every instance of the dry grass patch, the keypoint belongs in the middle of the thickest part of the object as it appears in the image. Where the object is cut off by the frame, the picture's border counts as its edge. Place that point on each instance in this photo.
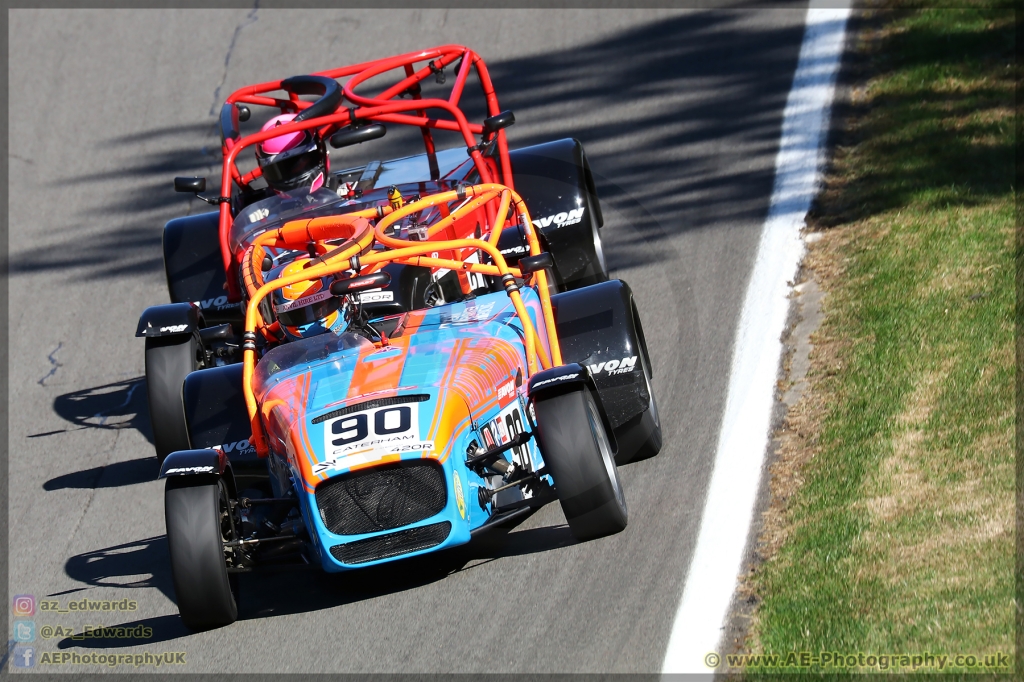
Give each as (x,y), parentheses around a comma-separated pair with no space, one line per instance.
(890,522)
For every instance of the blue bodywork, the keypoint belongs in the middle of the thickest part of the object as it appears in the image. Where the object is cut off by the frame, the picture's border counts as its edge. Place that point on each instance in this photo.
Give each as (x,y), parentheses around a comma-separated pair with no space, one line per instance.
(461,368)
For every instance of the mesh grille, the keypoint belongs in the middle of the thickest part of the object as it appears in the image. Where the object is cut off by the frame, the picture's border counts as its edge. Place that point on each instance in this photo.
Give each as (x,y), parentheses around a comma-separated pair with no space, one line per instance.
(382,498)
(392,544)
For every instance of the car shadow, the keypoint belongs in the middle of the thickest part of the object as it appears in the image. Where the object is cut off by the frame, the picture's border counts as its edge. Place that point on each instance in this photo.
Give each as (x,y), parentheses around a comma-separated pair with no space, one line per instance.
(140,632)
(119,405)
(147,561)
(277,592)
(110,476)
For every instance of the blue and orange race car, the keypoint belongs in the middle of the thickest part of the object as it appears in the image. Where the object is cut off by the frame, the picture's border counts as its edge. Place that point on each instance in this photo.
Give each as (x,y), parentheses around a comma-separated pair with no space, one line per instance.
(461,383)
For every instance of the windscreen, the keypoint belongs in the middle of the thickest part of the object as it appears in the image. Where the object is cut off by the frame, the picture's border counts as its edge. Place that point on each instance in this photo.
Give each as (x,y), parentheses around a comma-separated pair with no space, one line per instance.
(298,356)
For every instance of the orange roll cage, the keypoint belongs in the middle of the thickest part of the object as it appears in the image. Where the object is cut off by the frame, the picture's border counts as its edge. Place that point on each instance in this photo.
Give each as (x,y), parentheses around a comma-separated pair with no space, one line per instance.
(359,241)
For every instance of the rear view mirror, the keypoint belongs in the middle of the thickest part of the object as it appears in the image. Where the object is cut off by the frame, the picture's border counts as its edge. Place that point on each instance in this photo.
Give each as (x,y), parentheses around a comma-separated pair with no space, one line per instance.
(192,185)
(541,261)
(348,136)
(495,123)
(357,284)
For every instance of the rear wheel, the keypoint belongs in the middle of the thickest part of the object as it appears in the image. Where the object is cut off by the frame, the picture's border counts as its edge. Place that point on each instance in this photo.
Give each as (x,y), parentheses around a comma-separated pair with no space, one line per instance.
(198,525)
(577,453)
(169,359)
(640,437)
(596,270)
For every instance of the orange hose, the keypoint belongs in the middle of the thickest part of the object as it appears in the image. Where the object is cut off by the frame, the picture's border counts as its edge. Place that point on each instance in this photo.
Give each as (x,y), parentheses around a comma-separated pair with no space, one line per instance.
(360,240)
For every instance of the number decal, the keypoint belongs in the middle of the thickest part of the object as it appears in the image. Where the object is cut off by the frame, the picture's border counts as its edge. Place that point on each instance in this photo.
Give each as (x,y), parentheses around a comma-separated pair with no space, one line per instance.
(351,429)
(392,420)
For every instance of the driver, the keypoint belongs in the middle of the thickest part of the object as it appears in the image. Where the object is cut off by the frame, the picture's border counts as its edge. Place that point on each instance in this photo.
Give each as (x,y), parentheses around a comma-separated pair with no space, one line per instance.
(308,308)
(292,160)
(296,167)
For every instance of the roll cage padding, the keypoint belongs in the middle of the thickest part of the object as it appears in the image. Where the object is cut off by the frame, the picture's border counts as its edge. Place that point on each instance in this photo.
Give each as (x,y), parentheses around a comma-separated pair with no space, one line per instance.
(228,123)
(327,88)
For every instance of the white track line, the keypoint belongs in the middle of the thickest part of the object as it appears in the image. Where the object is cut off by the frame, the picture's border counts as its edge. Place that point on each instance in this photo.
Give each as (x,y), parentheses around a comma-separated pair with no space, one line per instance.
(717,558)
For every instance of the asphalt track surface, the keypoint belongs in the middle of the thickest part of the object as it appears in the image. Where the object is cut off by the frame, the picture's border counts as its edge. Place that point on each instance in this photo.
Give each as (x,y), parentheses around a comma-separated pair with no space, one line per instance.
(679,112)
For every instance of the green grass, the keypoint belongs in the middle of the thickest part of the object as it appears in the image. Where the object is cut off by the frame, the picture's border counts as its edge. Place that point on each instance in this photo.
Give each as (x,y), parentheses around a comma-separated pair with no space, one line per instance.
(901,538)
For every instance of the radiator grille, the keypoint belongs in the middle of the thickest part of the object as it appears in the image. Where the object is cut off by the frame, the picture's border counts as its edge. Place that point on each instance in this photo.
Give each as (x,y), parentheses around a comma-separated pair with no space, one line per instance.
(392,544)
(382,498)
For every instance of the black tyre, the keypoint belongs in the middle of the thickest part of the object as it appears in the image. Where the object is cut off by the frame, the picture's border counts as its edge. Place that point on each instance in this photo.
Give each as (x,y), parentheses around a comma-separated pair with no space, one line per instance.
(169,359)
(640,437)
(197,527)
(576,450)
(596,270)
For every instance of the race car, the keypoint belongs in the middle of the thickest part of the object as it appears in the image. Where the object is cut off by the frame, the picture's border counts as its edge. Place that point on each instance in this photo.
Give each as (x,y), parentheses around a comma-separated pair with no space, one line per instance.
(203,253)
(410,433)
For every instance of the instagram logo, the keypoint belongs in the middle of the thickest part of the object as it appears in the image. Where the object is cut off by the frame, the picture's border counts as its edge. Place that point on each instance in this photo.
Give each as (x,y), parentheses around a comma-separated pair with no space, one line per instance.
(24,605)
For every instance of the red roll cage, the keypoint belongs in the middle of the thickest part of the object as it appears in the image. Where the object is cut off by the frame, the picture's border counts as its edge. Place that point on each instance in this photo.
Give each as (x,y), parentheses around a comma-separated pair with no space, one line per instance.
(381,108)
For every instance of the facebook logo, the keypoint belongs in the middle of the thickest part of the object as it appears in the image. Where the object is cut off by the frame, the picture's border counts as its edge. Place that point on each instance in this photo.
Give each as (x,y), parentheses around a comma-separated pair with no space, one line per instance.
(23,657)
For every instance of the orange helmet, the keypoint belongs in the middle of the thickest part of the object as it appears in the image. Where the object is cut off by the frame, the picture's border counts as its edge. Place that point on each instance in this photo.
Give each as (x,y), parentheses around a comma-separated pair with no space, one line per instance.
(307,308)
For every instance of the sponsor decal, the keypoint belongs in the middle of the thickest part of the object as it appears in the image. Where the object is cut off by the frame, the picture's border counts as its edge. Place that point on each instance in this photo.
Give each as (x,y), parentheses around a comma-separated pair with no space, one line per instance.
(371,434)
(304,301)
(515,249)
(372,455)
(471,313)
(507,389)
(504,428)
(174,328)
(488,436)
(564,377)
(258,215)
(190,470)
(218,302)
(376,296)
(561,219)
(460,500)
(239,447)
(614,366)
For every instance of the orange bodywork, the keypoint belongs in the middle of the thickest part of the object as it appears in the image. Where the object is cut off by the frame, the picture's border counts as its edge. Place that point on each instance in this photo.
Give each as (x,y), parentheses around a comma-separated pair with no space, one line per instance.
(374,248)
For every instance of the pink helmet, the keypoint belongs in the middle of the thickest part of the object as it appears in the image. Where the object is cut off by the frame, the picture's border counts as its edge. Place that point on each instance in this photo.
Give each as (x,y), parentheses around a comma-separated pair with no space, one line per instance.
(291,160)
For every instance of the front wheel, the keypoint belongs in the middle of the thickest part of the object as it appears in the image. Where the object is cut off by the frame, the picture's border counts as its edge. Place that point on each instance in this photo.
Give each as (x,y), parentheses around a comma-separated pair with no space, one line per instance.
(169,359)
(577,452)
(198,524)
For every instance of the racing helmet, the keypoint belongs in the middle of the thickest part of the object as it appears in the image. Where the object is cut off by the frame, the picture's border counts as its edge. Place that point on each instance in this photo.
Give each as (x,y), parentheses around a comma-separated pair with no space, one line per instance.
(292,160)
(308,308)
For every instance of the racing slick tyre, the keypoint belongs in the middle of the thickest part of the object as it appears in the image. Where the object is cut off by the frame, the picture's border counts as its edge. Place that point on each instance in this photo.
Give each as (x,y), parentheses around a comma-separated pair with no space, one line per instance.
(169,359)
(577,452)
(640,437)
(596,270)
(196,514)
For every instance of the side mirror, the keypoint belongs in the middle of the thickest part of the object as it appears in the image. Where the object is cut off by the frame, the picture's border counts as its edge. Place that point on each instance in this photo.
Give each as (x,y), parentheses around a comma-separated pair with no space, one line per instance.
(343,287)
(243,113)
(541,261)
(348,136)
(495,123)
(191,185)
